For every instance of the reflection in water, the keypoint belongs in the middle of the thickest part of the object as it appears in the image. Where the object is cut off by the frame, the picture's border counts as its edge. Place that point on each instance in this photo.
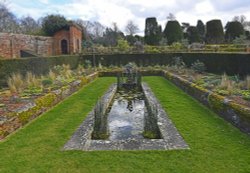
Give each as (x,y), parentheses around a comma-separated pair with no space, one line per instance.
(126,116)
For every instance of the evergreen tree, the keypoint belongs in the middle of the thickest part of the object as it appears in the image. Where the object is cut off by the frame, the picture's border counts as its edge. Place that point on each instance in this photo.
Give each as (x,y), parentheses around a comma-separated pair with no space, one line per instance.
(201,29)
(153,31)
(173,32)
(233,29)
(215,33)
(193,34)
(53,23)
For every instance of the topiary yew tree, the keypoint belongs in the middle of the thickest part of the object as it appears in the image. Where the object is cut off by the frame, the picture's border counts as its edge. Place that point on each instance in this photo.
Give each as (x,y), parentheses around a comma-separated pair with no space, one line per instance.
(201,29)
(152,31)
(193,34)
(233,29)
(215,33)
(53,23)
(173,32)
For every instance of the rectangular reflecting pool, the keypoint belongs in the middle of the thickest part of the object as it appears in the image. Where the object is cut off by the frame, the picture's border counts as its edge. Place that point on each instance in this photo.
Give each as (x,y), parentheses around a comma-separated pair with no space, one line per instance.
(127,120)
(126,116)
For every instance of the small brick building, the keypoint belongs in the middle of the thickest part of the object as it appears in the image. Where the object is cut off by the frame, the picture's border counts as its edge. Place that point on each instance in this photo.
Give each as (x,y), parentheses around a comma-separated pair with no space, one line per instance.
(66,41)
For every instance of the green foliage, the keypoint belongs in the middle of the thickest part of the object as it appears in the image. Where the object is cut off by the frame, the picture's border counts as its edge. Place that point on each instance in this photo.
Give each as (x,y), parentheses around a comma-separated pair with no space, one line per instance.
(242,39)
(193,34)
(245,94)
(47,82)
(215,33)
(176,46)
(173,32)
(151,49)
(31,91)
(123,45)
(198,66)
(212,141)
(53,23)
(178,62)
(152,31)
(201,29)
(37,66)
(234,29)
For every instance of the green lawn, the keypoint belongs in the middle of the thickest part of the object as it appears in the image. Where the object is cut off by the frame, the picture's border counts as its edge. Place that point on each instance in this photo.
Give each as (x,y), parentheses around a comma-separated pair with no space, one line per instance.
(215,145)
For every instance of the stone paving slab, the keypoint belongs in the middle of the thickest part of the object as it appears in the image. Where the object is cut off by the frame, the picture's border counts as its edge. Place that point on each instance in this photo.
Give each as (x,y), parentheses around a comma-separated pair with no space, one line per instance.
(171,139)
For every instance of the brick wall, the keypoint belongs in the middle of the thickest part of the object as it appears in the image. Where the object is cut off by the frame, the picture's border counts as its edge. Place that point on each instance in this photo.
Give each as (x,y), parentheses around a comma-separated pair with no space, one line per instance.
(73,36)
(75,39)
(58,37)
(12,44)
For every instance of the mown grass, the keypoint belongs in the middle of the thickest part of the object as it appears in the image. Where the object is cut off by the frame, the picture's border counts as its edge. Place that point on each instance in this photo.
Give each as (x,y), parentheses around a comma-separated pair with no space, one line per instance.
(215,145)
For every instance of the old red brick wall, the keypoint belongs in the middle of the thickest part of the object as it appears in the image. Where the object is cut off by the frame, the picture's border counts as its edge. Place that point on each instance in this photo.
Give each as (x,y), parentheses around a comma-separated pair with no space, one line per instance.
(12,44)
(58,37)
(75,39)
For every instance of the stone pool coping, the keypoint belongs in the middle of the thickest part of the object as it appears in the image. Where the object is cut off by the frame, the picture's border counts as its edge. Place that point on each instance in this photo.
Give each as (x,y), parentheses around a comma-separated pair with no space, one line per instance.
(171,139)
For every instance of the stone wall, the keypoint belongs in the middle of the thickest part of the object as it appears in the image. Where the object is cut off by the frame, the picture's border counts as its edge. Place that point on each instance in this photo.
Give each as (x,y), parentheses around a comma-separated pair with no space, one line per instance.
(12,44)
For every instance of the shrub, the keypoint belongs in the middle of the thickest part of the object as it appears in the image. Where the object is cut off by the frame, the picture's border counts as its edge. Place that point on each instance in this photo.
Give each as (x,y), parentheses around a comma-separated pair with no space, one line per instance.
(123,45)
(47,82)
(198,66)
(178,62)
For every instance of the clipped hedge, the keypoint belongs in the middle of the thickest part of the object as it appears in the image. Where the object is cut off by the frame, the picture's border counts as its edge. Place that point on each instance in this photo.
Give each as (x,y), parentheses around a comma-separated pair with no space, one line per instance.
(230,63)
(37,66)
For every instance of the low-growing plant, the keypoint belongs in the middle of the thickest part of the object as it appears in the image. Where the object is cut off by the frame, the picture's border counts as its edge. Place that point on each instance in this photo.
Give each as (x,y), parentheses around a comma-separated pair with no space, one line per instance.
(178,63)
(15,83)
(52,75)
(32,81)
(47,82)
(227,84)
(80,70)
(198,66)
(66,72)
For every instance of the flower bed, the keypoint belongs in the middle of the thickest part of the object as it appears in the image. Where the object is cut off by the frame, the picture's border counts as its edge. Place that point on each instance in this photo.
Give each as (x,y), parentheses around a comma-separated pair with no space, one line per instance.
(16,112)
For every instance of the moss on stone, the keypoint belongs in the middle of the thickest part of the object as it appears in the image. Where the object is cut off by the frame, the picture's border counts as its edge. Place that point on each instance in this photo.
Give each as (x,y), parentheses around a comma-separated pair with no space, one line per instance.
(216,102)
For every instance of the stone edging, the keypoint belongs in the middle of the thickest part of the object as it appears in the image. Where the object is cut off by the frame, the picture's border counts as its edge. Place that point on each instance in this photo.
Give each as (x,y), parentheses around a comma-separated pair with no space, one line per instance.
(171,139)
(238,115)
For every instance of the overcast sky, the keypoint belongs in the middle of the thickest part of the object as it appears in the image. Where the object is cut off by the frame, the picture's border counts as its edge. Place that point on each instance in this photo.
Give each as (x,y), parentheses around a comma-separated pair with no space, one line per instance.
(120,11)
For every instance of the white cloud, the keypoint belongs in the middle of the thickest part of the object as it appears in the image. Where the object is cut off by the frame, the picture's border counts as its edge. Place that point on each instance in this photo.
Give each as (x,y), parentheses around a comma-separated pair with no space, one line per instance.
(204,7)
(120,11)
(44,1)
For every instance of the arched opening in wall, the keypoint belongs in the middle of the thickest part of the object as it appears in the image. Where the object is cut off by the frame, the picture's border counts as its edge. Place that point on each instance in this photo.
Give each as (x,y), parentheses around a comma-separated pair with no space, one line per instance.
(64,46)
(78,45)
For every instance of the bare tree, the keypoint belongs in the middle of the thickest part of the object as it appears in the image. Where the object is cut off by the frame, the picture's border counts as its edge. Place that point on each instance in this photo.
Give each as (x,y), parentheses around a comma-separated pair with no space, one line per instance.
(131,28)
(28,25)
(8,21)
(171,17)
(98,29)
(91,30)
(243,20)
